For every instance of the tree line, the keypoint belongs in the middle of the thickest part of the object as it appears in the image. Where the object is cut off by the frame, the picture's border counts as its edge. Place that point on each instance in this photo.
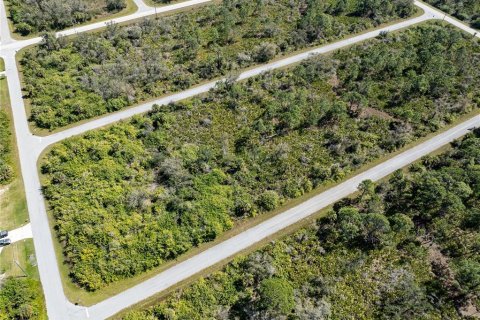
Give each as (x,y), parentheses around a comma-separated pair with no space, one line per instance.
(93,74)
(128,198)
(33,16)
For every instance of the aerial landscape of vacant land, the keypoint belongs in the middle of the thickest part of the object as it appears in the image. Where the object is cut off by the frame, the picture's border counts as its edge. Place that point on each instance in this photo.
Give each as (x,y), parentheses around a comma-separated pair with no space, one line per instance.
(239,159)
(71,80)
(128,198)
(32,16)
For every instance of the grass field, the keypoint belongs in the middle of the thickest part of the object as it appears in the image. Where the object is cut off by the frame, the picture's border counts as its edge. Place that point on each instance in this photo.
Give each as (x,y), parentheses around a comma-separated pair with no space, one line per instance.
(13,207)
(18,260)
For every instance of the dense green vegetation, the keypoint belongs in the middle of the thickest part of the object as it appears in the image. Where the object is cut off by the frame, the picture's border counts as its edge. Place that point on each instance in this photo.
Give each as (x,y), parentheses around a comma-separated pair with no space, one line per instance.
(32,16)
(20,299)
(403,249)
(93,74)
(466,10)
(21,294)
(6,171)
(127,198)
(6,152)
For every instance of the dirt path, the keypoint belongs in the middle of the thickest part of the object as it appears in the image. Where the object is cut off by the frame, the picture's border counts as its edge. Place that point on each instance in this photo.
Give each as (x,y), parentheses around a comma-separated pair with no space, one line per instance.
(441,268)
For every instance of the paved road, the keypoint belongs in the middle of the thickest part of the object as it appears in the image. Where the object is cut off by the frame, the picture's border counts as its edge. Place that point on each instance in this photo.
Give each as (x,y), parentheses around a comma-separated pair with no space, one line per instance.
(142,11)
(30,147)
(5,37)
(457,23)
(22,233)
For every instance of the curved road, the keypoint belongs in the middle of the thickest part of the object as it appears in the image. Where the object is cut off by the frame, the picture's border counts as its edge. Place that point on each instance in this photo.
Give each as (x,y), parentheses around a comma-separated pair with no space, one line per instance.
(30,148)
(143,10)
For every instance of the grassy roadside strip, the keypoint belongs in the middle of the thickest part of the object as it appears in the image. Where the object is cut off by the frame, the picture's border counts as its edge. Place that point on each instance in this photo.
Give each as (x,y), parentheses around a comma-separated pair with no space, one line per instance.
(2,65)
(129,9)
(13,206)
(45,132)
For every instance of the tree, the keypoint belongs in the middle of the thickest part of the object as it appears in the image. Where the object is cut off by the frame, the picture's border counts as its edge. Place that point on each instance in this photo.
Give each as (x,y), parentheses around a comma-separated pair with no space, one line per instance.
(468,274)
(24,28)
(51,42)
(19,299)
(265,52)
(401,297)
(269,200)
(350,223)
(276,295)
(402,225)
(472,219)
(116,5)
(6,173)
(376,229)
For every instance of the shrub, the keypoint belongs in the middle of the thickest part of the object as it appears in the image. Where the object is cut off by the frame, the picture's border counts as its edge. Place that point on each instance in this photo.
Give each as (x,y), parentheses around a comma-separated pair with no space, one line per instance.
(276,295)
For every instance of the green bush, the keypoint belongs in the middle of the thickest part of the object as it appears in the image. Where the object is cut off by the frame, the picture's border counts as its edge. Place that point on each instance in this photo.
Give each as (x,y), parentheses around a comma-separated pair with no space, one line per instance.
(276,295)
(19,299)
(116,5)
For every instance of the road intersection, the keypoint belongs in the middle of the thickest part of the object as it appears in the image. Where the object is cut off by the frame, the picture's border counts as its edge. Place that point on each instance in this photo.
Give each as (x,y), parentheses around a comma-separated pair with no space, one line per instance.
(30,148)
(22,233)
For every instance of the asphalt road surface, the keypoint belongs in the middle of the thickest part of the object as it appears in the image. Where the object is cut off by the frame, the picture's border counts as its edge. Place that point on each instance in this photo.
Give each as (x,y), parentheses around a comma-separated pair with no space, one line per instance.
(22,233)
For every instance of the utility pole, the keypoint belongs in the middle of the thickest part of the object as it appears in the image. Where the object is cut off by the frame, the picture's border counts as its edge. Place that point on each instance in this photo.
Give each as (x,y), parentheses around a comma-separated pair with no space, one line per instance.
(23,270)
